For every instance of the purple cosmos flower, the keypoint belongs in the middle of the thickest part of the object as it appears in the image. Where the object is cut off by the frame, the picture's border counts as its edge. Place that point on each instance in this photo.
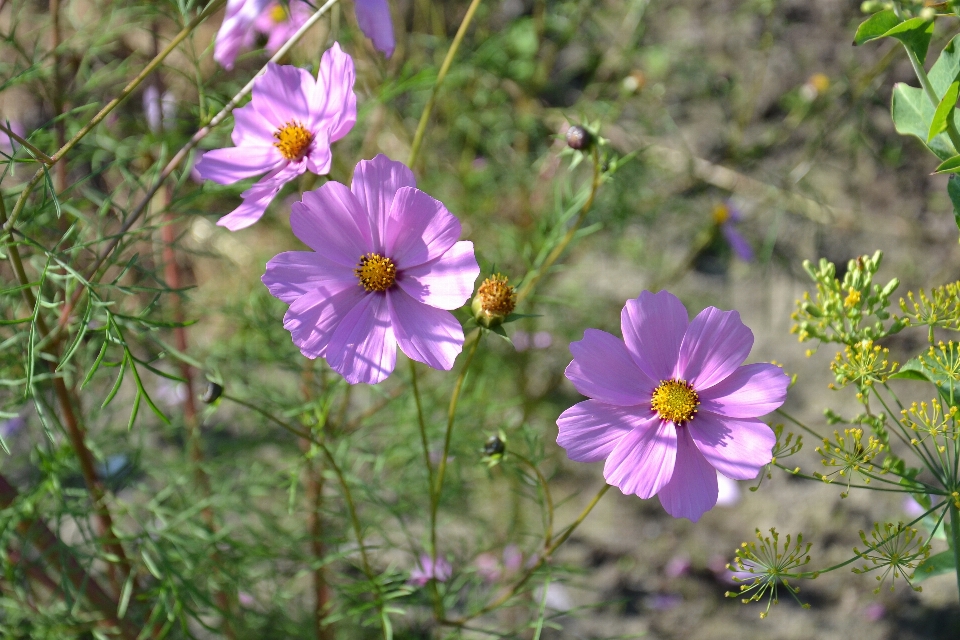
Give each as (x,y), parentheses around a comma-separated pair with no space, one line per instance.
(286,129)
(7,144)
(426,570)
(387,269)
(236,31)
(670,404)
(726,215)
(373,16)
(279,22)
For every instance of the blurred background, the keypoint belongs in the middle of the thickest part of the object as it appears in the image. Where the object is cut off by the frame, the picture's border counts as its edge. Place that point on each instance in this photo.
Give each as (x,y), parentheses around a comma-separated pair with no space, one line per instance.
(762,138)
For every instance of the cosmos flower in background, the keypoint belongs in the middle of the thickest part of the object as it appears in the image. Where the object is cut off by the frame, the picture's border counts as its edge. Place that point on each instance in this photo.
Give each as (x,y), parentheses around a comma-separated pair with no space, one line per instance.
(159,110)
(726,216)
(279,22)
(373,16)
(427,570)
(670,404)
(385,270)
(285,130)
(236,32)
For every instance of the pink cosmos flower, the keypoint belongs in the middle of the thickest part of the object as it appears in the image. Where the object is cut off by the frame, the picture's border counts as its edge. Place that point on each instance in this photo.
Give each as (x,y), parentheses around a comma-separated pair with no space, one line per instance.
(279,22)
(387,269)
(235,32)
(426,570)
(373,16)
(286,129)
(670,404)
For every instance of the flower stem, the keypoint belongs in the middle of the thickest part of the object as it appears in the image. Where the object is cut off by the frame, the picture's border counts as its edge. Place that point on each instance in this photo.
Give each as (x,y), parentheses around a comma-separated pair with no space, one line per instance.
(441,75)
(955,534)
(531,280)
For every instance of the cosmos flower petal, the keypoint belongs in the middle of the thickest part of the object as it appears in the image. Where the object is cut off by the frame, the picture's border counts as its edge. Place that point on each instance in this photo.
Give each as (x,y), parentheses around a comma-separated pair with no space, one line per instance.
(715,345)
(226,166)
(737,447)
(375,183)
(363,347)
(256,199)
(737,242)
(250,128)
(653,326)
(589,430)
(333,101)
(445,283)
(751,391)
(282,94)
(693,489)
(603,369)
(425,334)
(330,221)
(313,317)
(373,16)
(642,461)
(293,274)
(320,157)
(418,229)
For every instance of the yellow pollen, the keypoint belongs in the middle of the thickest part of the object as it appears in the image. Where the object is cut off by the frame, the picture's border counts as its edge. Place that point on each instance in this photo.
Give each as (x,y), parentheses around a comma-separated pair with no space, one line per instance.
(721,213)
(496,296)
(293,139)
(852,299)
(375,272)
(675,400)
(279,13)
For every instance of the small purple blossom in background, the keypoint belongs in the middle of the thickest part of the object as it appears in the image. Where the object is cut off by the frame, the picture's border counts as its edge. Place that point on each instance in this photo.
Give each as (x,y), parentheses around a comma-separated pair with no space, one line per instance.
(386,269)
(12,426)
(279,22)
(7,144)
(678,566)
(670,404)
(912,508)
(490,569)
(159,110)
(726,216)
(875,612)
(373,16)
(522,341)
(236,32)
(286,129)
(426,571)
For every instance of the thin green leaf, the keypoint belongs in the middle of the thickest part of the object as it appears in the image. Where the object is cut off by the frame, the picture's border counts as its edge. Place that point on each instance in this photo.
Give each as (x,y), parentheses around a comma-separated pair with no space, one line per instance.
(944,111)
(134,411)
(951,165)
(96,364)
(116,385)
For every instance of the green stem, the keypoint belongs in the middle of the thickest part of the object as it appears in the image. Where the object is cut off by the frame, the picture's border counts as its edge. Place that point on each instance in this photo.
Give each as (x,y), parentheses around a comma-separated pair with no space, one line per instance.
(955,532)
(441,75)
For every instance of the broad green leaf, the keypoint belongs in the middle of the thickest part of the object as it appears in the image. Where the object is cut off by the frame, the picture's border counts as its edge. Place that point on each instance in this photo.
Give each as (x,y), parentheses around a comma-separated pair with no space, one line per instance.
(915,33)
(912,115)
(944,110)
(936,565)
(951,165)
(941,370)
(876,26)
(947,67)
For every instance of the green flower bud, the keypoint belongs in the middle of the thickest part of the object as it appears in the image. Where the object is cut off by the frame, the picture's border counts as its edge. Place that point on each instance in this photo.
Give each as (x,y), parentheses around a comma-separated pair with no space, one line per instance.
(213,393)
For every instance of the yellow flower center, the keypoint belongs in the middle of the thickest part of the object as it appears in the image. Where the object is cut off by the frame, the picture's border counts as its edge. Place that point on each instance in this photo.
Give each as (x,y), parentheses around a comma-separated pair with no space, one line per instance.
(852,299)
(496,296)
(375,272)
(292,140)
(721,213)
(279,13)
(675,400)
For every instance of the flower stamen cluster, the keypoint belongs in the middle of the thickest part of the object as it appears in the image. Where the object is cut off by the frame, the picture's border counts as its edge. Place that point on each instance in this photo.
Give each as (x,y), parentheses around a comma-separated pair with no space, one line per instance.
(943,361)
(895,549)
(494,302)
(764,566)
(851,455)
(376,272)
(675,400)
(293,140)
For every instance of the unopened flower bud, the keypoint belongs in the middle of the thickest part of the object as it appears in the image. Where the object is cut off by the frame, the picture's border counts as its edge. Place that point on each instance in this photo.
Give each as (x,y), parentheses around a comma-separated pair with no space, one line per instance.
(494,446)
(213,393)
(495,300)
(579,138)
